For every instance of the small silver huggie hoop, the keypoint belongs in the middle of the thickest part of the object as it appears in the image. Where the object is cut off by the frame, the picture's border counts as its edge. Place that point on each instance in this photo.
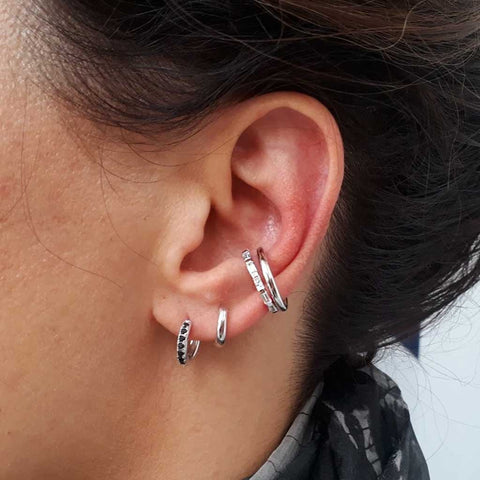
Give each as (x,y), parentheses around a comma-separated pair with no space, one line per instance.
(221,327)
(183,355)
(270,280)
(252,270)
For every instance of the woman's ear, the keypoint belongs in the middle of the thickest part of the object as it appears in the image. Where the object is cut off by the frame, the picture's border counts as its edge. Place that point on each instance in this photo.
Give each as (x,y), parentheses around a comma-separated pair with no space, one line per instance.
(271,179)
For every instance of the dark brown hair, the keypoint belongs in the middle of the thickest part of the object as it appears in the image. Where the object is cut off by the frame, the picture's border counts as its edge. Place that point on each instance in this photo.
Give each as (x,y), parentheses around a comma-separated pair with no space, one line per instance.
(401,77)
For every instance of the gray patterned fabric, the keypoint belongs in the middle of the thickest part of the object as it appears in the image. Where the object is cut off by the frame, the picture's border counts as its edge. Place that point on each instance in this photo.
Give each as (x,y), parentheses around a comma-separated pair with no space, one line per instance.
(300,430)
(355,425)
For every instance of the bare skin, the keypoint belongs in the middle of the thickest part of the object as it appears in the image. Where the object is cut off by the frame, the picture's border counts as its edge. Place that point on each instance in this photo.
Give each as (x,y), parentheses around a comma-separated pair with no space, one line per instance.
(100,266)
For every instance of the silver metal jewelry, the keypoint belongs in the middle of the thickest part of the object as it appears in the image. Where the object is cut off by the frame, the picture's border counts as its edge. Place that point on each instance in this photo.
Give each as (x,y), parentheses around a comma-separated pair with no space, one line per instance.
(221,327)
(184,354)
(282,304)
(252,270)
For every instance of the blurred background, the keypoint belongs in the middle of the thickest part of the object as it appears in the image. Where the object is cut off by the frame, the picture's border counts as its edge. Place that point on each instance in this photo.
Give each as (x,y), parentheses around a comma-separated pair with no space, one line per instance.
(439,376)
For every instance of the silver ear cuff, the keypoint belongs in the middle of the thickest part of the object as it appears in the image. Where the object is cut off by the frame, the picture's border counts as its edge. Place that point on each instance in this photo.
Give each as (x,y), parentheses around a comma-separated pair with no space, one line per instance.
(270,280)
(258,282)
(273,299)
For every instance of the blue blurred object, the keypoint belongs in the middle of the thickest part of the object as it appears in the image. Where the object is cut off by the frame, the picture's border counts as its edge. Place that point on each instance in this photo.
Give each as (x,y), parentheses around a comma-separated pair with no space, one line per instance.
(413,343)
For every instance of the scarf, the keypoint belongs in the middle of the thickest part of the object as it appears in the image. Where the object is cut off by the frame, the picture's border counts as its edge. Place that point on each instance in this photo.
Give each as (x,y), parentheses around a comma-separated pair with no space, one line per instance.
(354,426)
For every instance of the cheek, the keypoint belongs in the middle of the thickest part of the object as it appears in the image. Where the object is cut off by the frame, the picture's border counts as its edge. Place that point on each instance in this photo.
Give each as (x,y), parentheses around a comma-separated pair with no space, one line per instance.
(69,290)
(7,184)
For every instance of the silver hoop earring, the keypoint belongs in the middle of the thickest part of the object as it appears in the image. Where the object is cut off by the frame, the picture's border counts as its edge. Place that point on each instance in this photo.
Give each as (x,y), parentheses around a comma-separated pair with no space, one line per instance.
(270,281)
(221,327)
(252,270)
(183,343)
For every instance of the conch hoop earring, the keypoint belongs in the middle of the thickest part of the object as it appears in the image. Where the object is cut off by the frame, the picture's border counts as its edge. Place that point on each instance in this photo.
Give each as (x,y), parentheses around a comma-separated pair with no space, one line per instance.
(281,303)
(257,280)
(183,343)
(221,327)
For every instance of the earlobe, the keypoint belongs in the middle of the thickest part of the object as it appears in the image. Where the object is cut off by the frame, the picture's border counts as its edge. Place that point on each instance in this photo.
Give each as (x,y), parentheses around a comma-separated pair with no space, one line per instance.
(272,184)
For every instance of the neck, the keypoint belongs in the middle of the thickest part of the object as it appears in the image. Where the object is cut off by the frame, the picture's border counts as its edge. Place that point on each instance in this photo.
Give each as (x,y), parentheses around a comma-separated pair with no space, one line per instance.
(220,416)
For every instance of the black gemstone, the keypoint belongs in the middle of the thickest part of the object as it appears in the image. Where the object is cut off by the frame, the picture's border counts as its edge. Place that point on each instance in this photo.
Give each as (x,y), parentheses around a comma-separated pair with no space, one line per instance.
(181,345)
(183,330)
(181,338)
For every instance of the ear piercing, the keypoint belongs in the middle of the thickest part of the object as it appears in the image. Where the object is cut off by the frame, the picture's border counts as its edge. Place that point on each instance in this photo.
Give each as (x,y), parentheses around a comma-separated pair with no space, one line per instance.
(271,284)
(221,327)
(252,270)
(275,301)
(187,349)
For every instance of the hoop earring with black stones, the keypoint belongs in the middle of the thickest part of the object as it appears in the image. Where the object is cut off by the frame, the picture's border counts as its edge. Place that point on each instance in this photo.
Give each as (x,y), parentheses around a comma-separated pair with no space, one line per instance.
(186,349)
